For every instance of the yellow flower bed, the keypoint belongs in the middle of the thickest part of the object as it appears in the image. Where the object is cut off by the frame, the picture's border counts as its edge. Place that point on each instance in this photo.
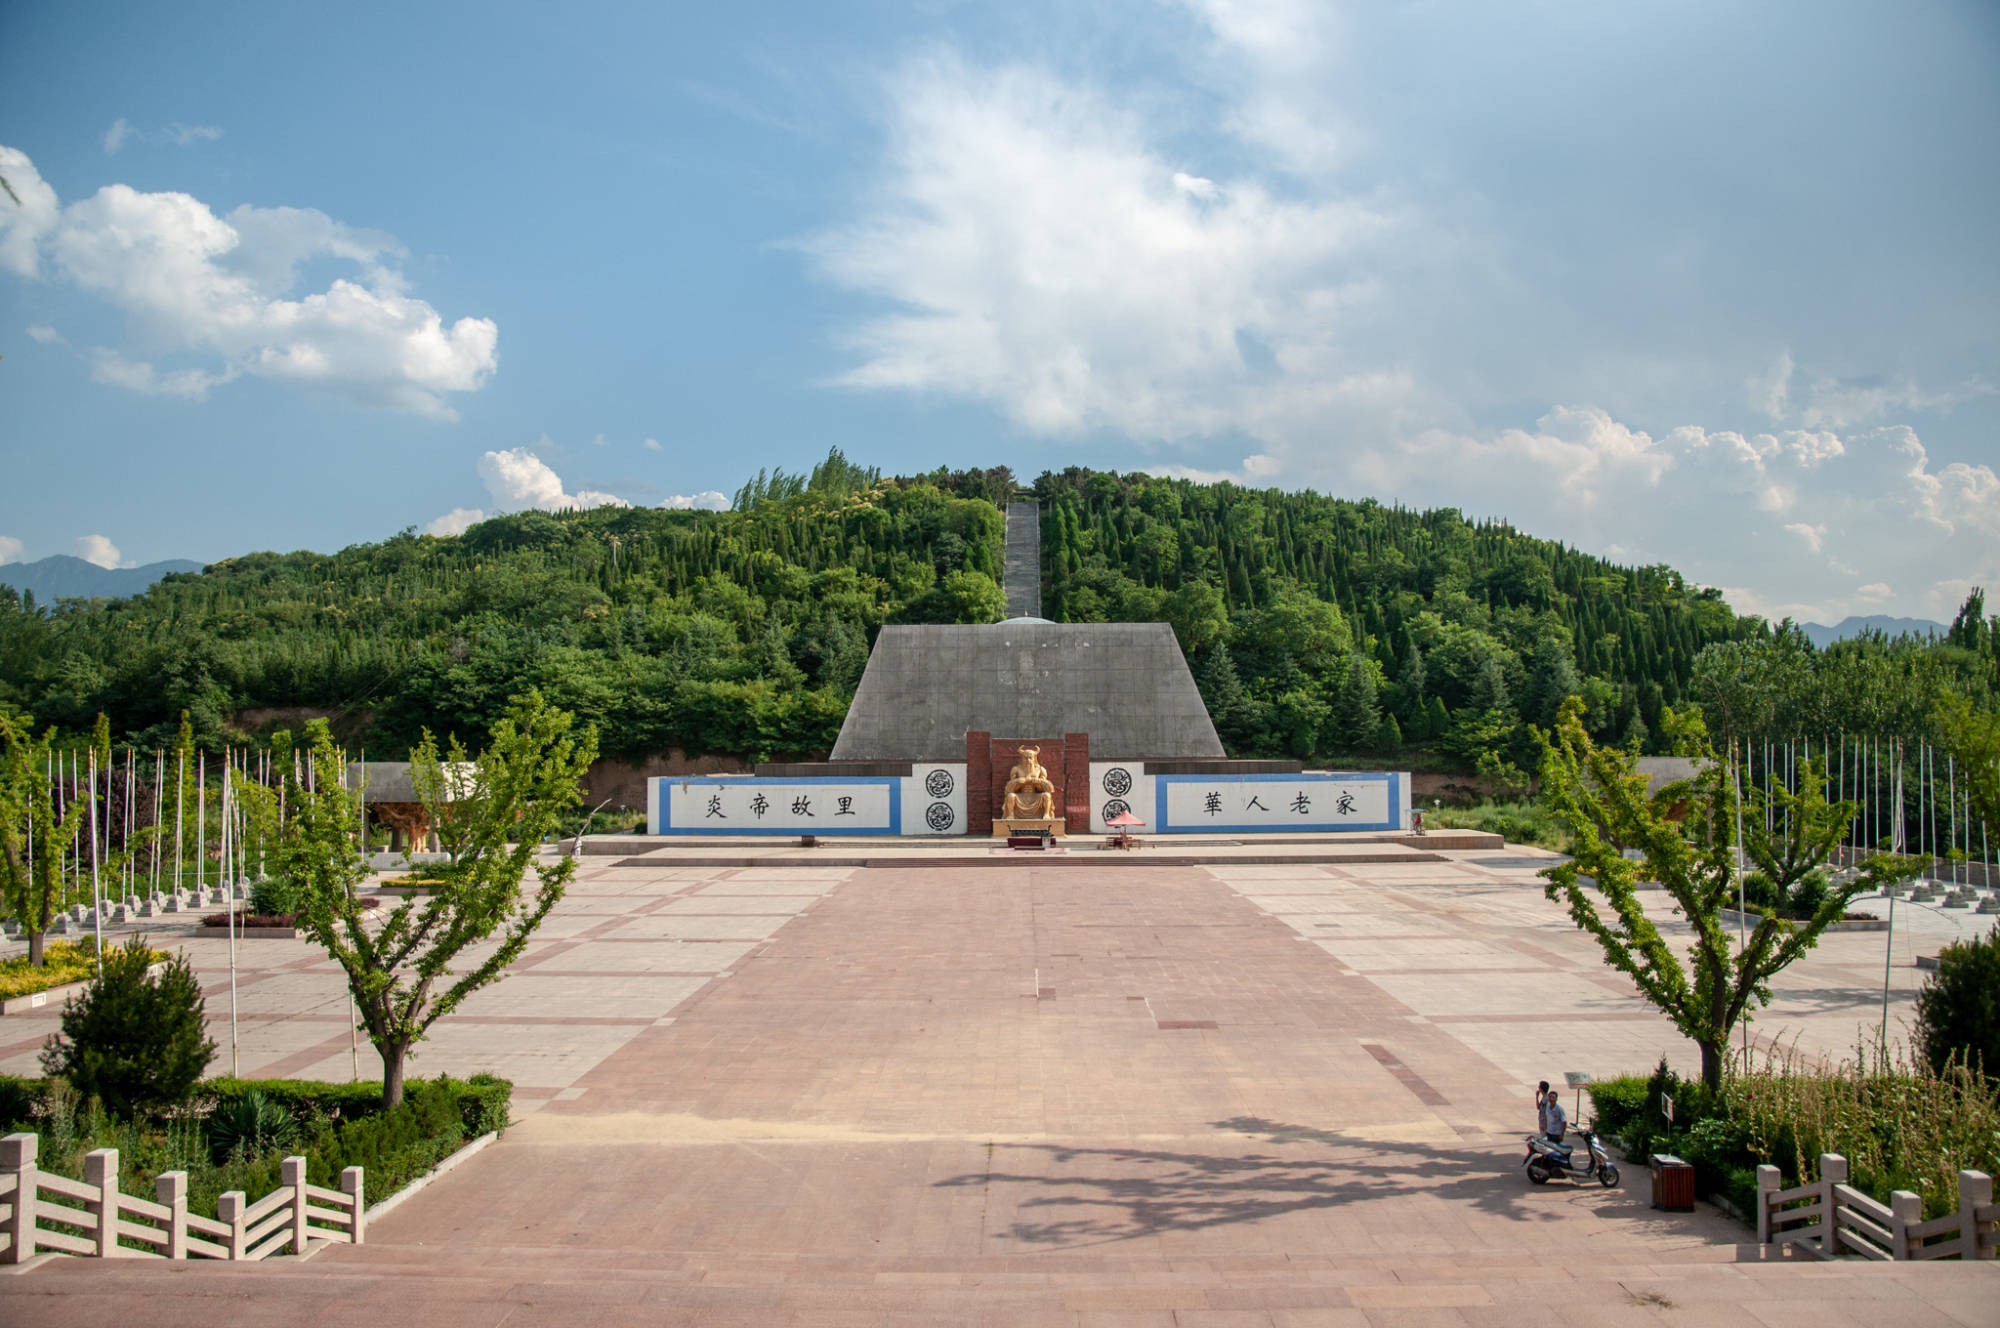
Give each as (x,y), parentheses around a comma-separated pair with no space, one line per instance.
(64,962)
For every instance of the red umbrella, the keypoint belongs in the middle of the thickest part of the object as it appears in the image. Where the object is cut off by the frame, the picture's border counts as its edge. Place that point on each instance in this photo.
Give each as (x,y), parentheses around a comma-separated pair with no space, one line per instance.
(1124,818)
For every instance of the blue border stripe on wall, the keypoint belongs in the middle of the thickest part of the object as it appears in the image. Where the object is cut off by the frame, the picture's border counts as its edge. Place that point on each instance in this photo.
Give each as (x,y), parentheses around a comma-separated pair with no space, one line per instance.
(893,782)
(1392,779)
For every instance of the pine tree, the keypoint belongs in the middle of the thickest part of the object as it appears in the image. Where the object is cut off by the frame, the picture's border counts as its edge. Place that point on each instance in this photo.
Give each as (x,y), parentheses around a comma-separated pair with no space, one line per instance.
(1357,709)
(1412,679)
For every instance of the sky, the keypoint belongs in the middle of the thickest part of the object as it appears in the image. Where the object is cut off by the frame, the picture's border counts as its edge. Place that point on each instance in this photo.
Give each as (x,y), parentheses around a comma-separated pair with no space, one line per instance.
(1711,285)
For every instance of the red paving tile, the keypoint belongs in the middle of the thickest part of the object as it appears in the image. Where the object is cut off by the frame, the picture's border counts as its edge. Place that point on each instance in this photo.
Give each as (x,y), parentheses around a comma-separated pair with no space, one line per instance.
(1021,1096)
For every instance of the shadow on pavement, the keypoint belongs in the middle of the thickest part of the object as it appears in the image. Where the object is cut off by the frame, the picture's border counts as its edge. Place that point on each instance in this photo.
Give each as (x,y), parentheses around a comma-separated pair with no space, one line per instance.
(1103,1195)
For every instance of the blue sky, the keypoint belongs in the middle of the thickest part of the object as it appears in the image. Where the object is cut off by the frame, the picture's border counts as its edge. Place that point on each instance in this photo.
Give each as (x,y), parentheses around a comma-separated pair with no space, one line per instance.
(1674,282)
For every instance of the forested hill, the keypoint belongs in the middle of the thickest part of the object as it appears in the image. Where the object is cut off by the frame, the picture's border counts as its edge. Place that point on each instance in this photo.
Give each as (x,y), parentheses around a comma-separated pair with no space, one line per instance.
(1319,626)
(1316,627)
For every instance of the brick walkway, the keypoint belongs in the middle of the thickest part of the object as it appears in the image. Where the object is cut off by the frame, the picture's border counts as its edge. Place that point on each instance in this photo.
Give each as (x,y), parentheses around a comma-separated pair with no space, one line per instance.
(1241,1095)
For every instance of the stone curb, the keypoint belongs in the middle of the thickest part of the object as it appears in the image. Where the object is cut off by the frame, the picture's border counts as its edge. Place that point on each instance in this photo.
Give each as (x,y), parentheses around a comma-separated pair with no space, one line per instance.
(389,1204)
(1729,917)
(250,933)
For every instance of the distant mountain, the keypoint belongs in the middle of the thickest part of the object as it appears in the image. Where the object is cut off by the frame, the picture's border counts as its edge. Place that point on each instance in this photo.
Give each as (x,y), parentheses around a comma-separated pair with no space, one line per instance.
(63,577)
(1823,637)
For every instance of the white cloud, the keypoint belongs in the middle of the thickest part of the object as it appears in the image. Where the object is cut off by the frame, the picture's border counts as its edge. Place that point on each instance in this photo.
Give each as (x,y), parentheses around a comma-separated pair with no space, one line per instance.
(23,228)
(651,444)
(1084,263)
(108,366)
(1837,403)
(10,549)
(222,288)
(1274,57)
(47,335)
(1042,256)
(708,500)
(518,478)
(180,135)
(99,550)
(456,522)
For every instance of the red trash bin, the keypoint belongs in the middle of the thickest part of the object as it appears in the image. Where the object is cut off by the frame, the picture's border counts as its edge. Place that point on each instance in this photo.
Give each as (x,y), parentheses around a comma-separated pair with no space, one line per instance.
(1673,1184)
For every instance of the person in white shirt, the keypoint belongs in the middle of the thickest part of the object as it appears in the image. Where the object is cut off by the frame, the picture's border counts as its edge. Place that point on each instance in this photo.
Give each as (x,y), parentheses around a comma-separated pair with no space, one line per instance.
(1549,1113)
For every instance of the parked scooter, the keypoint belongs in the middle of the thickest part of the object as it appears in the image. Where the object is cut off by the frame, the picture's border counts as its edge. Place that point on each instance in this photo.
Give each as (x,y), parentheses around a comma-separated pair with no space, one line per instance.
(1545,1160)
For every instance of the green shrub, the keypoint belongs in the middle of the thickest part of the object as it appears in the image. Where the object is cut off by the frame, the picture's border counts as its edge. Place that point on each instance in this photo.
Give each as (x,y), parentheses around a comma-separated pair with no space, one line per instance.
(303,1098)
(274,896)
(248,1126)
(333,1126)
(1958,1010)
(1808,893)
(17,1098)
(131,1040)
(1615,1104)
(485,1103)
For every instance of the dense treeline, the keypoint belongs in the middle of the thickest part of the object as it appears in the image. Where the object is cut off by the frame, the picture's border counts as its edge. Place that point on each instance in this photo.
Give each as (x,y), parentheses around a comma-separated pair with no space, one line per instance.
(741,632)
(1318,626)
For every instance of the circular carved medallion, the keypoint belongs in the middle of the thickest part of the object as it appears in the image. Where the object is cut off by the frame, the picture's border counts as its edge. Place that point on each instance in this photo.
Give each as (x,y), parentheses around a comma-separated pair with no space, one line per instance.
(1118,781)
(939,783)
(940,816)
(1115,807)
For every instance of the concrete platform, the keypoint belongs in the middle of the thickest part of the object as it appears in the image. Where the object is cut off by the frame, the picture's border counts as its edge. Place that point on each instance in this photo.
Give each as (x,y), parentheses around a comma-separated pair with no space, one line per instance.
(1230,1094)
(1082,849)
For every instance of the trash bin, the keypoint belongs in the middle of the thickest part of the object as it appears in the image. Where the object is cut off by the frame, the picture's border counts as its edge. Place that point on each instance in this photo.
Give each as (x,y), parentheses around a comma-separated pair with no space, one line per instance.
(1673,1184)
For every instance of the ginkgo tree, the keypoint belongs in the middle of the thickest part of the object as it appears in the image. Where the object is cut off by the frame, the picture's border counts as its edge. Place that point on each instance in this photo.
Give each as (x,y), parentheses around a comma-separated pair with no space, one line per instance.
(34,831)
(1686,840)
(404,970)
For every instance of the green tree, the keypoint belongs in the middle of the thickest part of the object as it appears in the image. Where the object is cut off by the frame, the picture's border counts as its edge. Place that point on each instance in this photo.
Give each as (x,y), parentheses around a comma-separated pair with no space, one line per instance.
(1974,740)
(1805,830)
(1958,1010)
(493,811)
(1357,710)
(133,1040)
(1602,800)
(975,597)
(31,884)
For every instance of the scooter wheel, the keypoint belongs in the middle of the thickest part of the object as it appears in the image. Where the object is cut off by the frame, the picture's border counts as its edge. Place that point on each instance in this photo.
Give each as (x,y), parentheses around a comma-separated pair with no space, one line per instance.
(1538,1174)
(1608,1177)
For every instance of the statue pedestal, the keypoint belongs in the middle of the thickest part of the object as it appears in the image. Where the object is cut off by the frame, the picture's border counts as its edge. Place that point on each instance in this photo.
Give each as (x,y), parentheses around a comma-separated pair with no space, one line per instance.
(1002,826)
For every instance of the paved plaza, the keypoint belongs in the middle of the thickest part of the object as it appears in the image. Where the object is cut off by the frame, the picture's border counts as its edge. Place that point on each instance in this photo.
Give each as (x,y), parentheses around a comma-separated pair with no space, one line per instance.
(1277,1093)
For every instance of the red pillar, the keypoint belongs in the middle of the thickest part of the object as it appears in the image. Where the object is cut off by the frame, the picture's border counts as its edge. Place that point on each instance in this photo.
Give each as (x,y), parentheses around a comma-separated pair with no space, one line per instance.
(978,783)
(1076,783)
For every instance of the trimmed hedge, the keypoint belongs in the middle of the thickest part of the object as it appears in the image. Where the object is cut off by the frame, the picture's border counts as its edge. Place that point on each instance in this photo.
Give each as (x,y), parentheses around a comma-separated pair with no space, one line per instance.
(338,1126)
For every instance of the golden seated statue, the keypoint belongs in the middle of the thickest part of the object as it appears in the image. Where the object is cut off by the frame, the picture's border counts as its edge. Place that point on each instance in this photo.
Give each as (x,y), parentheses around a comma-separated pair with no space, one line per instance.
(1030,796)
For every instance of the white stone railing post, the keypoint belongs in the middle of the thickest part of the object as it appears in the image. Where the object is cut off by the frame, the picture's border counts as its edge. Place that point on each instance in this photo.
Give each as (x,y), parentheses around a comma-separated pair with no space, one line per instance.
(1908,1207)
(352,1186)
(1769,1181)
(293,1173)
(170,1191)
(229,1211)
(17,1159)
(1975,1191)
(100,1169)
(1832,1172)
